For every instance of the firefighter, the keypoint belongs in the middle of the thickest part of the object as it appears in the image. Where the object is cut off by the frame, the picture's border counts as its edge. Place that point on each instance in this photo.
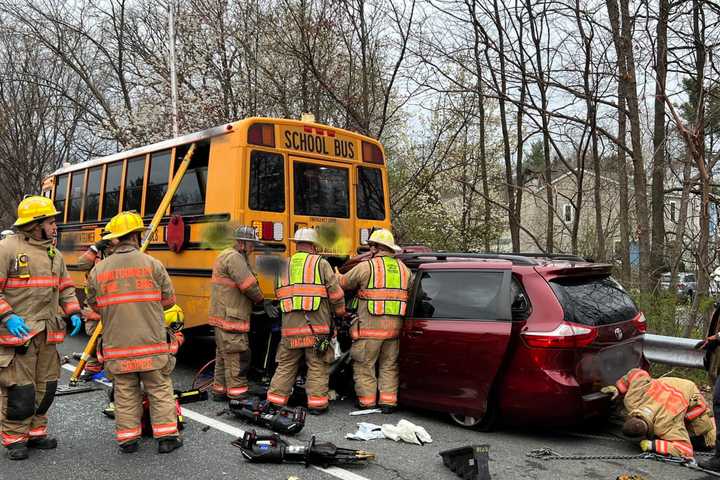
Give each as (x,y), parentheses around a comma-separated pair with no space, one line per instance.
(309,295)
(382,283)
(713,365)
(130,290)
(35,283)
(92,256)
(665,412)
(234,291)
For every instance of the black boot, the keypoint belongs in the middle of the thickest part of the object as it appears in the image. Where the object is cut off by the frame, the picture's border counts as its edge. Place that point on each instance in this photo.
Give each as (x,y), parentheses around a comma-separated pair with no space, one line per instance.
(44,443)
(387,409)
(130,447)
(712,463)
(167,445)
(17,451)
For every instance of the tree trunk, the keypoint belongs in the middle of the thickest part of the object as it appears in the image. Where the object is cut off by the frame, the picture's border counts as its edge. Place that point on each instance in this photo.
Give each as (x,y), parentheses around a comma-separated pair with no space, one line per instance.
(620,22)
(657,251)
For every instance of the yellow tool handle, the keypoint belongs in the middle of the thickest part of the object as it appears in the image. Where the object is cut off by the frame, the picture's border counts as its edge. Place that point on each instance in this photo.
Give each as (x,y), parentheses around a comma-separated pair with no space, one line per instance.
(164,204)
(87,353)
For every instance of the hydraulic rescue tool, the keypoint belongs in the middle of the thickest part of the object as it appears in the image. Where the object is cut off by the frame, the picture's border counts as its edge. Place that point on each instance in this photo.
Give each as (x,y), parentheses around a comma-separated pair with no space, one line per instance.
(164,204)
(285,420)
(273,449)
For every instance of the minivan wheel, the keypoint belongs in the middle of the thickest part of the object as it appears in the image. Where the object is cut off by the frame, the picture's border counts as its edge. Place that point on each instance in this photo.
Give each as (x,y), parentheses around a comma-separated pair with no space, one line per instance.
(466,421)
(486,423)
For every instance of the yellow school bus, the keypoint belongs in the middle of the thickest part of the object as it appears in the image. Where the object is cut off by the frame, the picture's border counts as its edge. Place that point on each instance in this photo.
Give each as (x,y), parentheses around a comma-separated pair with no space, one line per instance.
(276,174)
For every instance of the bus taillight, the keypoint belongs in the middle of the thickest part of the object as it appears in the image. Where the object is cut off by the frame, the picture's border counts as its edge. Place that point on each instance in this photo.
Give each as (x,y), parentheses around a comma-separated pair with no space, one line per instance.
(262,134)
(269,230)
(371,153)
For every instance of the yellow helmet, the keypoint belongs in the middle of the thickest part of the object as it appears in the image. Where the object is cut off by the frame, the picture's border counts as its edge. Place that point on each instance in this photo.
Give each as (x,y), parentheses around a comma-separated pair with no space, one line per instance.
(384,237)
(175,318)
(122,224)
(34,208)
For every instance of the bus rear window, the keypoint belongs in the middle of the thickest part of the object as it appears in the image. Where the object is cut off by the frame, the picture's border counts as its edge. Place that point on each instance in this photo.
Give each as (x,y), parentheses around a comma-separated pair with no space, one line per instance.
(593,300)
(370,197)
(190,196)
(267,182)
(61,194)
(321,191)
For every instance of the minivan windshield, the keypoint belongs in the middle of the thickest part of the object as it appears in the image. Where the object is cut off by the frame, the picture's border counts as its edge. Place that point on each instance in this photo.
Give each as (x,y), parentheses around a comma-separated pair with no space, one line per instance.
(593,300)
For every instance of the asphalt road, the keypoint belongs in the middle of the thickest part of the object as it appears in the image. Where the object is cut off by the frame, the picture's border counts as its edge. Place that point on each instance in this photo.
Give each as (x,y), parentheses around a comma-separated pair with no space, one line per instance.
(87,449)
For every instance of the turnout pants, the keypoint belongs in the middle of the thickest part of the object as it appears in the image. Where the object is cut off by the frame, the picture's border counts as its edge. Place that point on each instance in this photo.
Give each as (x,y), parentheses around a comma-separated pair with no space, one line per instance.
(129,404)
(27,389)
(232,361)
(318,376)
(366,354)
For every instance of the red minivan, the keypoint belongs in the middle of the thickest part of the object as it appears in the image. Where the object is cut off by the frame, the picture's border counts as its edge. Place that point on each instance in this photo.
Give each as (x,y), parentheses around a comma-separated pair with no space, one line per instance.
(521,339)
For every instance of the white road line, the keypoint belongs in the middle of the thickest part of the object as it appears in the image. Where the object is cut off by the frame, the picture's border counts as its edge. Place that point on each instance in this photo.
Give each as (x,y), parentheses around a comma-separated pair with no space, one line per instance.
(239,432)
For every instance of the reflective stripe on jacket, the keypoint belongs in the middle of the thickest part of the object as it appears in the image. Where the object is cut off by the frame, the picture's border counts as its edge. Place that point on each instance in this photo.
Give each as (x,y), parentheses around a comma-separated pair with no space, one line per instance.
(300,326)
(373,324)
(663,405)
(387,288)
(34,282)
(130,291)
(300,286)
(234,291)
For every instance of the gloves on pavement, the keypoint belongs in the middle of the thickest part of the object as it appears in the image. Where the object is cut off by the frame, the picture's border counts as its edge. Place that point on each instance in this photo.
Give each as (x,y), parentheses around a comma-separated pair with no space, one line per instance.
(76,323)
(610,390)
(407,432)
(16,325)
(646,445)
(271,310)
(366,431)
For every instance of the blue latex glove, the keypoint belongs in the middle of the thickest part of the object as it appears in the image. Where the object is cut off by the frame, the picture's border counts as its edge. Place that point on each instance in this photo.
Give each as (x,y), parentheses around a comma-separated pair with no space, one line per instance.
(76,323)
(16,325)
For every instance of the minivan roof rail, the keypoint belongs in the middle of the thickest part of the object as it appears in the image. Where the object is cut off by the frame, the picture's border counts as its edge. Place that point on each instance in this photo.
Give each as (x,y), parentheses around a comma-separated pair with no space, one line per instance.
(515,258)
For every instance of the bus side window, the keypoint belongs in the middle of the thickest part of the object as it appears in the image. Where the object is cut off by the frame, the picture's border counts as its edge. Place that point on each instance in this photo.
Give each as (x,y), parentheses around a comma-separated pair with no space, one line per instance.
(111,199)
(267,182)
(190,196)
(134,184)
(158,181)
(92,195)
(61,195)
(77,183)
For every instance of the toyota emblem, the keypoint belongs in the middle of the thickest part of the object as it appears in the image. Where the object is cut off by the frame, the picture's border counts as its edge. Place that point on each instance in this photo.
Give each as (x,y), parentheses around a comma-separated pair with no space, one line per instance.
(618,333)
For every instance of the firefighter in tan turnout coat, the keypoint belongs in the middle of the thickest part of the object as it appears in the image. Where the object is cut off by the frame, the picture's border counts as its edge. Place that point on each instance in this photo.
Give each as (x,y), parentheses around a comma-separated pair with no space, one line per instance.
(234,291)
(665,411)
(382,283)
(130,290)
(34,282)
(309,295)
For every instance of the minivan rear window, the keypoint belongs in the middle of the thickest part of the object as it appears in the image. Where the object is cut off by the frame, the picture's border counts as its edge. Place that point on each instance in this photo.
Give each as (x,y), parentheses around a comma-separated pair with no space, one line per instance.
(593,300)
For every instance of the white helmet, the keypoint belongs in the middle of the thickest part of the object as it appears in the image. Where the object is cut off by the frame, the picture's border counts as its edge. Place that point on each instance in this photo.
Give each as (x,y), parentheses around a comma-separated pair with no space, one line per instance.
(308,235)
(5,233)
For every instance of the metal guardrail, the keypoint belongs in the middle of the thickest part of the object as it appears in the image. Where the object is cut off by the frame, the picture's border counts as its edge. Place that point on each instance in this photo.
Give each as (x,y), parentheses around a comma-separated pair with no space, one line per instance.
(675,351)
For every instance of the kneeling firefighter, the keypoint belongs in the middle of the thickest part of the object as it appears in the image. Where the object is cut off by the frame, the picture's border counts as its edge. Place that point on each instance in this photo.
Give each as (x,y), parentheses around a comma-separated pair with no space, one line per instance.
(665,413)
(307,289)
(130,290)
(34,282)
